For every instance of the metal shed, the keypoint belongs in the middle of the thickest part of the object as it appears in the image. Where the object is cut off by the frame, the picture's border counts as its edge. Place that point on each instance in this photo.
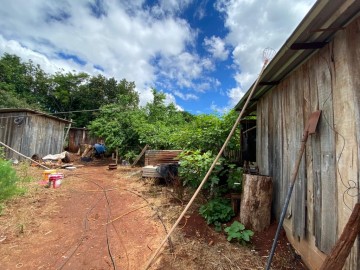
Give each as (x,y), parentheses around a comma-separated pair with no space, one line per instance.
(31,132)
(318,68)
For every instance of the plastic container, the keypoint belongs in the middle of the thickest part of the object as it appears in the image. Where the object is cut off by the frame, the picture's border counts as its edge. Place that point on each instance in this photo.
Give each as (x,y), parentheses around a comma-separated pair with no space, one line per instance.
(46,174)
(55,179)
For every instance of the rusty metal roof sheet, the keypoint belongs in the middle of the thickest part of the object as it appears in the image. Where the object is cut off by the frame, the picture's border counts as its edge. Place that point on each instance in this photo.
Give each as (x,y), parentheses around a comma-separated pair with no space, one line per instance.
(155,157)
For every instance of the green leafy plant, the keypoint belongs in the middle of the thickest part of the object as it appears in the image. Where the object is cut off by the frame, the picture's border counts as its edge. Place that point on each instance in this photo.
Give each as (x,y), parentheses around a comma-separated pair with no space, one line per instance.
(217,211)
(130,156)
(235,177)
(194,165)
(237,231)
(8,180)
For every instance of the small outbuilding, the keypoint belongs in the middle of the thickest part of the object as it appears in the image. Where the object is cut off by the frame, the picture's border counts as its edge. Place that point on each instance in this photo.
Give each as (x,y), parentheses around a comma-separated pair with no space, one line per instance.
(78,136)
(30,132)
(318,68)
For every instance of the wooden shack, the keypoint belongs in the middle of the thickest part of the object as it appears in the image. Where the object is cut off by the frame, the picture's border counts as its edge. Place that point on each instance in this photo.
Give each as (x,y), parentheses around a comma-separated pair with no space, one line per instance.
(30,132)
(318,68)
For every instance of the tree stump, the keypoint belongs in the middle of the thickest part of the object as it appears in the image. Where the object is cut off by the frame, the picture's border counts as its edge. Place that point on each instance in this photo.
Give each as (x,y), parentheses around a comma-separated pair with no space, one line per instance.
(255,207)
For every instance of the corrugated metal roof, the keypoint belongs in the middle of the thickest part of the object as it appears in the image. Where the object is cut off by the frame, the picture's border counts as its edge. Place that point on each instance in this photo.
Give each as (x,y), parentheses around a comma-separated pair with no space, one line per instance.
(10,110)
(324,19)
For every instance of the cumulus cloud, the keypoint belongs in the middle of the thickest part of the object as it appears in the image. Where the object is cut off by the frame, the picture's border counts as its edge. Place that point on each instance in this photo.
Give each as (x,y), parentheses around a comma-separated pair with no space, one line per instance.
(235,94)
(256,25)
(184,69)
(121,38)
(185,96)
(150,44)
(216,46)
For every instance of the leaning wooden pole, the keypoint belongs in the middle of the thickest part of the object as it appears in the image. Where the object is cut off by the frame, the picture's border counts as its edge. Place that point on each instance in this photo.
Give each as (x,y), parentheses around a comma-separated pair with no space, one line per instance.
(337,257)
(210,169)
(3,144)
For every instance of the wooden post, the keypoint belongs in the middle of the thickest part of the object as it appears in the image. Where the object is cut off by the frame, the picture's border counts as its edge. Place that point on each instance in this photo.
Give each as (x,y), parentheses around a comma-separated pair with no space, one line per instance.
(139,156)
(337,257)
(255,207)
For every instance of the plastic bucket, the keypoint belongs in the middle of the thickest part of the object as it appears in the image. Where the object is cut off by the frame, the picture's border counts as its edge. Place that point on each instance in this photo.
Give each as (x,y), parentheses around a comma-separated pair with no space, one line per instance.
(55,179)
(56,183)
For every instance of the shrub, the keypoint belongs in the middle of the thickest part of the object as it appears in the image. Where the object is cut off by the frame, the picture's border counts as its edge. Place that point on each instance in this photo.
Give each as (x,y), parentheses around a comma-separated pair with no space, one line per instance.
(217,211)
(8,180)
(235,177)
(194,166)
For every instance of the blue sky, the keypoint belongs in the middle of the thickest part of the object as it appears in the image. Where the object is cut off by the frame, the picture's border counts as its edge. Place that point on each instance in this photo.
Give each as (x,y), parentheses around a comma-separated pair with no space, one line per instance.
(202,54)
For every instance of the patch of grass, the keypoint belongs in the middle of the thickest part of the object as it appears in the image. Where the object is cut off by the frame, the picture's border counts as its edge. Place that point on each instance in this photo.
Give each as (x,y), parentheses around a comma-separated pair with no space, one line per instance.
(8,180)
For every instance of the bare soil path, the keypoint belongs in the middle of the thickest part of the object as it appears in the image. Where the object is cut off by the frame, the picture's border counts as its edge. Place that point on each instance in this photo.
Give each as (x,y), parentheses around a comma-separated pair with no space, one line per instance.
(70,227)
(110,219)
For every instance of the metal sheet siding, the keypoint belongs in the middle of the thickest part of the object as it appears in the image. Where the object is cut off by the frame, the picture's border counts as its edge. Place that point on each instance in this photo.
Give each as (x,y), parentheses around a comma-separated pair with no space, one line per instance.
(155,157)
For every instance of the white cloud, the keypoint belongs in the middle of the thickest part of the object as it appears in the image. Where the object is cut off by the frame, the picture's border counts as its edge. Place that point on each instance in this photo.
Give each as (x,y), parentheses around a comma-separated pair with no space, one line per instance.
(169,98)
(123,39)
(235,94)
(255,25)
(216,46)
(185,96)
(184,69)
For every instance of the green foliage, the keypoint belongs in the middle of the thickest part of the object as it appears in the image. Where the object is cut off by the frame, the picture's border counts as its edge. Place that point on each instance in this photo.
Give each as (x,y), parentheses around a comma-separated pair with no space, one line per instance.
(217,211)
(8,179)
(206,132)
(237,231)
(194,166)
(235,175)
(130,156)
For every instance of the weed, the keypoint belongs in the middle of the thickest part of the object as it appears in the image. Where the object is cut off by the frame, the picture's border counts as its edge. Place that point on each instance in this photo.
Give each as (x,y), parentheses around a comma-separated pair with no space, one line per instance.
(9,179)
(237,231)
(216,212)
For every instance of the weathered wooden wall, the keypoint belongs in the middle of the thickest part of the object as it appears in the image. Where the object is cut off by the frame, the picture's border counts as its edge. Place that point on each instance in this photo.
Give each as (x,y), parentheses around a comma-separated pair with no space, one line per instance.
(322,198)
(79,136)
(29,133)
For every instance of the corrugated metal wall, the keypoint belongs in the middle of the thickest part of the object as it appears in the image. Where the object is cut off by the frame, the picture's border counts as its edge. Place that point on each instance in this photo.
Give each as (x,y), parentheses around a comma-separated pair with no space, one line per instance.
(155,157)
(321,203)
(29,134)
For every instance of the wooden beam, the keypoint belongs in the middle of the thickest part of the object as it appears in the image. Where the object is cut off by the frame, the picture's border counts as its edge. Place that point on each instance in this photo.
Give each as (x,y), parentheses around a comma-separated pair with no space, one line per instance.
(308,46)
(337,257)
(140,155)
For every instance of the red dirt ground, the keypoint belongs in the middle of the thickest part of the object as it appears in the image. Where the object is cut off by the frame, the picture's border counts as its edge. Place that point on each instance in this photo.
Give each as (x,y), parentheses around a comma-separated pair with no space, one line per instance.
(194,226)
(65,228)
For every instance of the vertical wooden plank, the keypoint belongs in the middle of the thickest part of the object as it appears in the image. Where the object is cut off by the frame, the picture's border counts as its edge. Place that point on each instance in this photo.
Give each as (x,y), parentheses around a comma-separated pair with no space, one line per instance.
(328,162)
(259,134)
(309,198)
(299,222)
(265,133)
(285,89)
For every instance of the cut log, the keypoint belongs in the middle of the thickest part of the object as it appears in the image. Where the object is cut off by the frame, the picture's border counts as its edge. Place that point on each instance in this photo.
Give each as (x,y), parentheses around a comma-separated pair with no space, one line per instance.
(255,207)
(88,147)
(337,257)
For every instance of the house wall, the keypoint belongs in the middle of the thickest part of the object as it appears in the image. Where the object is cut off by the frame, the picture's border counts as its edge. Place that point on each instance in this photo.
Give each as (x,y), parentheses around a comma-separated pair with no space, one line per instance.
(35,134)
(328,183)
